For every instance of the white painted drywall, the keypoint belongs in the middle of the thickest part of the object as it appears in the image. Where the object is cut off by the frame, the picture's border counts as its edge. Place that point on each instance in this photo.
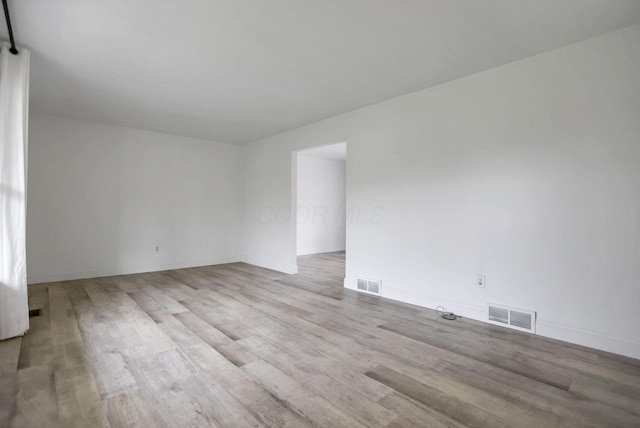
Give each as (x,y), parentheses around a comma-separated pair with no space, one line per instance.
(321,199)
(101,198)
(528,173)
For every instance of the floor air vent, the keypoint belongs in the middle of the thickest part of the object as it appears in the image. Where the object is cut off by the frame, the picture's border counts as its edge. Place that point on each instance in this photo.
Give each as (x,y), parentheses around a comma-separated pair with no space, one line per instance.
(369,285)
(515,318)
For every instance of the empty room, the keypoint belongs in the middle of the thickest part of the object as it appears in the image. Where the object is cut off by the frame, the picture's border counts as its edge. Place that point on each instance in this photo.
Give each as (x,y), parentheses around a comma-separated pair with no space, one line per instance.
(307,213)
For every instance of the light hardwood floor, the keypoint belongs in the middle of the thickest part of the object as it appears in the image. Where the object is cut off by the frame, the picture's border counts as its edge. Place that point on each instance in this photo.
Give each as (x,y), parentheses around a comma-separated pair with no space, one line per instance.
(236,345)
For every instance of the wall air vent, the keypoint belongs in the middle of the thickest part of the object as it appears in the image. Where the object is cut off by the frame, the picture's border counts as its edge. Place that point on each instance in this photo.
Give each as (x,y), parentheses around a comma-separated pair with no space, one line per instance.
(371,286)
(515,318)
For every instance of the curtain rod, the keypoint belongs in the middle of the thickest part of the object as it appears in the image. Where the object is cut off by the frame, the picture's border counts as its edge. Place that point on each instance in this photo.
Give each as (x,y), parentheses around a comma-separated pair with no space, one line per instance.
(13,49)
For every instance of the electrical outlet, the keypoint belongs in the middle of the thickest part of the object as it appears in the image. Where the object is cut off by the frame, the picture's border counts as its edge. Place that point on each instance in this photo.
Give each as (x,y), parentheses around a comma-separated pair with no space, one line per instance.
(157,248)
(480,281)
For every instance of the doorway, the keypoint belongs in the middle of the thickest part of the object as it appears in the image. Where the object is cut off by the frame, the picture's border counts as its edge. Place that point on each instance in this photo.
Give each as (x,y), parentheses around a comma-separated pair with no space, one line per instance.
(319,197)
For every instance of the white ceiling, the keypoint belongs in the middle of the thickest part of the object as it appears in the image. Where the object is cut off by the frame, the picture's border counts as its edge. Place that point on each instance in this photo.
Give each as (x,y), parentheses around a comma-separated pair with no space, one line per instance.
(239,70)
(335,152)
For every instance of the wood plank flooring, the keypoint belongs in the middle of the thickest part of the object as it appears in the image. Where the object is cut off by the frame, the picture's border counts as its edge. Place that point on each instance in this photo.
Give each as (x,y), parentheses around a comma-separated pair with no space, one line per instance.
(239,346)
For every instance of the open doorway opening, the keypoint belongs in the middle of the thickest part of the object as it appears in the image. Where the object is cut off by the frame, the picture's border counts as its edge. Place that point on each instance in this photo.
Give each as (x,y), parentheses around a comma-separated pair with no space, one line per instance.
(320,205)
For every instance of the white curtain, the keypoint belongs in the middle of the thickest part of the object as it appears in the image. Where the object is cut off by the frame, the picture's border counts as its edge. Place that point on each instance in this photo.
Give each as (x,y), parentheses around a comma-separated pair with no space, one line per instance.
(14,113)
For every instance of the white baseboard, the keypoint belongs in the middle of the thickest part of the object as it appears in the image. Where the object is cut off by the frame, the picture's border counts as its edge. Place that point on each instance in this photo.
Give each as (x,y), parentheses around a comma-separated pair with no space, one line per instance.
(290,269)
(124,270)
(465,310)
(308,251)
(589,338)
(578,336)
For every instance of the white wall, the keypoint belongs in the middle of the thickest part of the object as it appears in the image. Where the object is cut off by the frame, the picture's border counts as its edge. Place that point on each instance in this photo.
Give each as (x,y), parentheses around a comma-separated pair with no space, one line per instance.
(528,173)
(101,198)
(321,199)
